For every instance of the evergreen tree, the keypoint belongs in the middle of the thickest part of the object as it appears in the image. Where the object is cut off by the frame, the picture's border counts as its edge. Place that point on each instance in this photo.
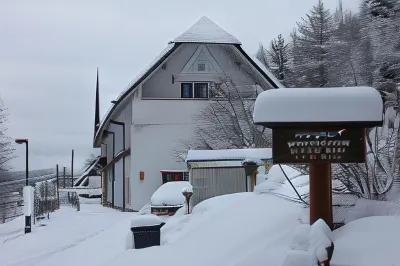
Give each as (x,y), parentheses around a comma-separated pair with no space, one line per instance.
(344,56)
(312,45)
(278,55)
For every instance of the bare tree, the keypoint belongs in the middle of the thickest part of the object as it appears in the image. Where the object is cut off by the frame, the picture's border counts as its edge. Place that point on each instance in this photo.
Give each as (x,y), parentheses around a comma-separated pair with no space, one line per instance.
(6,149)
(227,122)
(90,161)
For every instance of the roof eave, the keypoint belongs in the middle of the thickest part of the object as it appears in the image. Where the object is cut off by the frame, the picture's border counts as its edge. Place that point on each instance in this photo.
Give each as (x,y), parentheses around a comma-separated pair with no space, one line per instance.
(206,42)
(96,141)
(265,75)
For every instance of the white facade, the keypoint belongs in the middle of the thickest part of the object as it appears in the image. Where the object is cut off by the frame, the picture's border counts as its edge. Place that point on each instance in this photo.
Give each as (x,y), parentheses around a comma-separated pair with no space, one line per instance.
(157,118)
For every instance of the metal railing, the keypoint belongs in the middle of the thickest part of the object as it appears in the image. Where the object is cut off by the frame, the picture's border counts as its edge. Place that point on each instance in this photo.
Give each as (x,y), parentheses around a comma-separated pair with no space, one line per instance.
(11,186)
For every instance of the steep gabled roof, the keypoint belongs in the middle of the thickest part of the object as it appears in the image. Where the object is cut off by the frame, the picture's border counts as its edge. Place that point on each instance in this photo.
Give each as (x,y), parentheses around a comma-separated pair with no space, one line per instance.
(203,31)
(206,31)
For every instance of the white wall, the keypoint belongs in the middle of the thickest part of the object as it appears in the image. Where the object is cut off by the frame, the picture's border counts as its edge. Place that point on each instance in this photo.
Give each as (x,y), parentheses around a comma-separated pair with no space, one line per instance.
(158,125)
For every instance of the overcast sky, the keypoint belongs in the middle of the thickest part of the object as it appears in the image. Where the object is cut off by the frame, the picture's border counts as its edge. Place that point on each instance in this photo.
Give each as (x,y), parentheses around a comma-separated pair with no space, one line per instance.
(49,51)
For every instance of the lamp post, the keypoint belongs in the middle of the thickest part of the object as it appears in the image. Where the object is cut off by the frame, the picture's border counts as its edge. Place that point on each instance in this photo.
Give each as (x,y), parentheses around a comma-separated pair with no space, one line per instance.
(21,141)
(27,191)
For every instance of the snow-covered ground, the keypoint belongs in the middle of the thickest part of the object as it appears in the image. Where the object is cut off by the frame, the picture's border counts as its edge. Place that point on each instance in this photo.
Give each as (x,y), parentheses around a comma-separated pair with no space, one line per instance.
(88,237)
(255,229)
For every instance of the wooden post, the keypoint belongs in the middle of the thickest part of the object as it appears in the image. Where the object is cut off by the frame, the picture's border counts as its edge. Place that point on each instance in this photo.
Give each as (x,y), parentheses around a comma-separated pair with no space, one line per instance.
(321,193)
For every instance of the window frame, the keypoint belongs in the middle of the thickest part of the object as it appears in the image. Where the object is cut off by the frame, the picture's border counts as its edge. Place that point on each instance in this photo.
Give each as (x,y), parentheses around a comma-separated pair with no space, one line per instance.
(192,92)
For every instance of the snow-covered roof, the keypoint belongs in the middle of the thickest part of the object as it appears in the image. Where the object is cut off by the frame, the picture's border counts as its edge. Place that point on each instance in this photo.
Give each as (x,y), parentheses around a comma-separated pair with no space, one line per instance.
(229,154)
(206,31)
(308,105)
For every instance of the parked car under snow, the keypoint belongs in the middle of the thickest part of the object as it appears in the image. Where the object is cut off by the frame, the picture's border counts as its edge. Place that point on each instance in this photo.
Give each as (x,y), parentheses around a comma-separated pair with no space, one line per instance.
(168,198)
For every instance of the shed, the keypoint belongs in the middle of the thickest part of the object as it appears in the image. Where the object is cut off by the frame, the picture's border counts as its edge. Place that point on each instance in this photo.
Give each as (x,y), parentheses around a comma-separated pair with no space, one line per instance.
(220,172)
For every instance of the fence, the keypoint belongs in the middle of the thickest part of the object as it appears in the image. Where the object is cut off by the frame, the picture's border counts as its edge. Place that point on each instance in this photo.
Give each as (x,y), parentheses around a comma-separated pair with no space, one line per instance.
(44,181)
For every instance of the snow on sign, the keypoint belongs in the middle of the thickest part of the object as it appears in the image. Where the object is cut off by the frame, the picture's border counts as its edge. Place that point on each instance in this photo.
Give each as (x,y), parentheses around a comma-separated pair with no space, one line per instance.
(345,145)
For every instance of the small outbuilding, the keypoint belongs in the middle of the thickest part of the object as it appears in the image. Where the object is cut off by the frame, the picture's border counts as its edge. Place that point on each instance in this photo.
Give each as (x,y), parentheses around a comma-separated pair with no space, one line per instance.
(219,172)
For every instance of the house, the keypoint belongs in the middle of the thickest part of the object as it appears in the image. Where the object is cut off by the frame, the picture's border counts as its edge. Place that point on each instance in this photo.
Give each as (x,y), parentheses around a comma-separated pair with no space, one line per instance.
(219,172)
(155,111)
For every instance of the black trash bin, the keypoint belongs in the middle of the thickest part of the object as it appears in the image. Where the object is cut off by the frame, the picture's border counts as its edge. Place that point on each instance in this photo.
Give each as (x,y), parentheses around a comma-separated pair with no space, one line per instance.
(146,236)
(146,231)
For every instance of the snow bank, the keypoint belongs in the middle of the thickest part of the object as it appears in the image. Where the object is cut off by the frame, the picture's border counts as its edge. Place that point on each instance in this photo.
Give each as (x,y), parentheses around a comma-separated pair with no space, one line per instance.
(369,241)
(238,229)
(229,154)
(169,194)
(319,105)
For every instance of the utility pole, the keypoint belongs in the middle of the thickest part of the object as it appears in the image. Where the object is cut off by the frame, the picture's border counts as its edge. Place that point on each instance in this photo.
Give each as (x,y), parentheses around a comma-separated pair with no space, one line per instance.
(58,192)
(64,177)
(72,169)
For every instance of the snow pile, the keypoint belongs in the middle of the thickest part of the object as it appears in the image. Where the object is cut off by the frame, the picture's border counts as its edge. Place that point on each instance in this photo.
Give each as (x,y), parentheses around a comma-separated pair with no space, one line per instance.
(238,229)
(369,241)
(187,189)
(145,220)
(367,208)
(169,194)
(276,181)
(229,154)
(309,244)
(252,161)
(318,105)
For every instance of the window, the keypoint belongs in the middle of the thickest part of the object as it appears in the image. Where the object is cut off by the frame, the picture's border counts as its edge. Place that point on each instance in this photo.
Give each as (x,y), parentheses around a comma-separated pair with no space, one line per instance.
(201,67)
(187,90)
(194,90)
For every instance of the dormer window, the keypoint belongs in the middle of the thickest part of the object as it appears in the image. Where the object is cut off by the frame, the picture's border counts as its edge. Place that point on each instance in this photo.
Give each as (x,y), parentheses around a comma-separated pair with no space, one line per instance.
(197,90)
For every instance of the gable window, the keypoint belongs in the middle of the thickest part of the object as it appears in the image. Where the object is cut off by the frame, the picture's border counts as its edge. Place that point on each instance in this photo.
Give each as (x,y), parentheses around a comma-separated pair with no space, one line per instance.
(194,90)
(201,67)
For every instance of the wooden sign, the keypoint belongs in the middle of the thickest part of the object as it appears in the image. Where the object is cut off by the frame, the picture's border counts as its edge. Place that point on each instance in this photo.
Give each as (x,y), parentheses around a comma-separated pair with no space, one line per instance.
(302,146)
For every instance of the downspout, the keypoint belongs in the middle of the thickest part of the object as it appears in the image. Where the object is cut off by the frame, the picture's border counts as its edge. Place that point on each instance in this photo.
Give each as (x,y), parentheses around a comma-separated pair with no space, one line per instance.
(103,191)
(123,161)
(113,168)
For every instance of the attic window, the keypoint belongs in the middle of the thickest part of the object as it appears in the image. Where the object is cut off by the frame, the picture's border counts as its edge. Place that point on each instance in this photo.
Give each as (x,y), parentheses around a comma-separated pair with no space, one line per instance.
(201,67)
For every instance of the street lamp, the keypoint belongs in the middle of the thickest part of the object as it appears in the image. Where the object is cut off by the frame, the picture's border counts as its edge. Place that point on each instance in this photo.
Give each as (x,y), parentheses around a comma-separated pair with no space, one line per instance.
(21,141)
(27,191)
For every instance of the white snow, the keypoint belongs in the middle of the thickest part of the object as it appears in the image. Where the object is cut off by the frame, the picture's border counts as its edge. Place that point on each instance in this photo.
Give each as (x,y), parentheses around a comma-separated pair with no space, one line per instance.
(237,229)
(369,241)
(89,237)
(187,189)
(169,194)
(145,220)
(344,104)
(229,154)
(206,31)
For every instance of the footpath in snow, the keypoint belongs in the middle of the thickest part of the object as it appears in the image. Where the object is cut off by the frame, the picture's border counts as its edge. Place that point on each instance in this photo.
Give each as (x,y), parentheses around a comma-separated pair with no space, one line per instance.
(89,237)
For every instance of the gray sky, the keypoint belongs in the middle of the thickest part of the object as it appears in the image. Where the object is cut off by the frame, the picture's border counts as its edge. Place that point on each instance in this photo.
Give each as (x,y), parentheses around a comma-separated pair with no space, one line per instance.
(49,51)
